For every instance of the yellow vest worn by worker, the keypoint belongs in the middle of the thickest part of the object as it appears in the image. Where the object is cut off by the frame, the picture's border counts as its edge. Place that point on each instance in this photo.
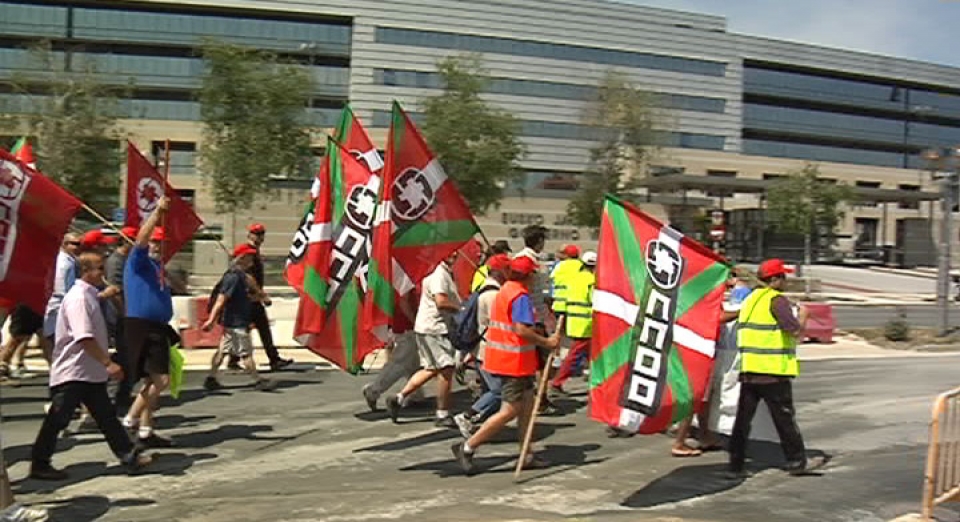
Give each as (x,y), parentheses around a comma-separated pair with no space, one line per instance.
(479,277)
(764,347)
(580,304)
(560,275)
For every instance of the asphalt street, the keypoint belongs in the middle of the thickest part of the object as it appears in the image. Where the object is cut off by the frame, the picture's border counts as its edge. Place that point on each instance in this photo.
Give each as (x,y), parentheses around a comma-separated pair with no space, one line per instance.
(312,452)
(925,316)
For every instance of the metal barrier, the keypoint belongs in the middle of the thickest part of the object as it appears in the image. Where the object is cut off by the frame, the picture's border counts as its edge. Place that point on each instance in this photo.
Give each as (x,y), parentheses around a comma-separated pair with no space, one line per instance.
(942,478)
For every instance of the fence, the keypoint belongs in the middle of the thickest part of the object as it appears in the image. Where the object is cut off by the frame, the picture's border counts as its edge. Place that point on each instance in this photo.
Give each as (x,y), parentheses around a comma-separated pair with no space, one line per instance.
(942,478)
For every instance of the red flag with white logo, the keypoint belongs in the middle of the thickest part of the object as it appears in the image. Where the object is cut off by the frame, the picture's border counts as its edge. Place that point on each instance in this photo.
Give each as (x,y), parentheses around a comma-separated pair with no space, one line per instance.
(34,215)
(145,187)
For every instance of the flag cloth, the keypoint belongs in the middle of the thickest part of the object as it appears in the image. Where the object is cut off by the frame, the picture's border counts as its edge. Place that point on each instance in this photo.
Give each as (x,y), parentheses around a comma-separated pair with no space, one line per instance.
(351,134)
(34,218)
(421,220)
(24,153)
(332,298)
(145,187)
(656,315)
(466,265)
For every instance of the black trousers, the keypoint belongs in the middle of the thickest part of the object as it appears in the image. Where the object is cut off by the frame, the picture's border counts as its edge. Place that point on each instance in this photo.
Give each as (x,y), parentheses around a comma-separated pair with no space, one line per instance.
(262,324)
(66,398)
(779,399)
(122,399)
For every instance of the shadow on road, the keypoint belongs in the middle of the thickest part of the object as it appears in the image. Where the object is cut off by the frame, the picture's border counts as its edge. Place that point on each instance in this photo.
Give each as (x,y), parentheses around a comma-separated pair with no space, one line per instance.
(439,435)
(559,457)
(164,464)
(221,434)
(88,508)
(683,483)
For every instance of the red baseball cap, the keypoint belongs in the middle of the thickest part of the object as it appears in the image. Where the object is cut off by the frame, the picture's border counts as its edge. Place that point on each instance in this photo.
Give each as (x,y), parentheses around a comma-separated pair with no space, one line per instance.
(523,265)
(158,235)
(773,267)
(499,262)
(571,250)
(95,238)
(244,249)
(130,232)
(256,228)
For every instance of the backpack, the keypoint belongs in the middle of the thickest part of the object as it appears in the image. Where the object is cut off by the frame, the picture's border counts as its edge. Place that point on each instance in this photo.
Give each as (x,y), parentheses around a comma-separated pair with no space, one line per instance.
(464,336)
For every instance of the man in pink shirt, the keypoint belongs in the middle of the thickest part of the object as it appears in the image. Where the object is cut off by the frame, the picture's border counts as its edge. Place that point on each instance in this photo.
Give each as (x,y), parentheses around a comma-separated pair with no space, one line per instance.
(79,370)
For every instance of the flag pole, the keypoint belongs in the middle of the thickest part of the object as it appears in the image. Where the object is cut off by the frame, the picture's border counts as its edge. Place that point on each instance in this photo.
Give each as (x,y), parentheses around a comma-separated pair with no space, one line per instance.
(525,447)
(104,220)
(166,183)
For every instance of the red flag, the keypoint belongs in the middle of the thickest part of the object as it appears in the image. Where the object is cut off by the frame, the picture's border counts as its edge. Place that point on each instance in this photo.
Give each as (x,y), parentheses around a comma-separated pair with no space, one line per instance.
(34,215)
(145,187)
(466,265)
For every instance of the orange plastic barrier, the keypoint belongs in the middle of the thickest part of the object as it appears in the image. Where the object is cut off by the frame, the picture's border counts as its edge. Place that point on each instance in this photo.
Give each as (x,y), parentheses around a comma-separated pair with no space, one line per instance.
(821,324)
(193,336)
(942,478)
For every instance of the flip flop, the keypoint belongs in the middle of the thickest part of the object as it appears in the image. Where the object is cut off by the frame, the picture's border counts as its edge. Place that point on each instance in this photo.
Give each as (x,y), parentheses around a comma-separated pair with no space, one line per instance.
(685,452)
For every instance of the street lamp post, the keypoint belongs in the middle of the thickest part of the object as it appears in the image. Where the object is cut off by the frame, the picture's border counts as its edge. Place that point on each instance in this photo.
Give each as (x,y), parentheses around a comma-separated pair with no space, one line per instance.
(943,165)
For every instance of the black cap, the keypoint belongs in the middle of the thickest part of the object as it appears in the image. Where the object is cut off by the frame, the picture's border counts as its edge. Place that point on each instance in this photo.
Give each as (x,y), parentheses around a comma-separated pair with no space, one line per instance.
(501,247)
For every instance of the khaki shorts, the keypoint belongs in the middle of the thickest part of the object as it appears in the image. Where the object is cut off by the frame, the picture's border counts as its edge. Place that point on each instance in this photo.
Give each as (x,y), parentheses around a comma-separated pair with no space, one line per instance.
(436,352)
(513,389)
(236,342)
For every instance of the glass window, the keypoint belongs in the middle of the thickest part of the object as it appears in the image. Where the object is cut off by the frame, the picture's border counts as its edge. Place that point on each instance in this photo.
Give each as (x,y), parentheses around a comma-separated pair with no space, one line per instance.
(579,53)
(913,205)
(780,149)
(821,89)
(33,20)
(822,123)
(934,103)
(870,185)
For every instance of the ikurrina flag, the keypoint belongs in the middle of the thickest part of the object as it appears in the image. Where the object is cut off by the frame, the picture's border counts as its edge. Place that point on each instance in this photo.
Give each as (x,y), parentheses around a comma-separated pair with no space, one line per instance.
(145,187)
(423,219)
(351,134)
(656,317)
(332,298)
(24,153)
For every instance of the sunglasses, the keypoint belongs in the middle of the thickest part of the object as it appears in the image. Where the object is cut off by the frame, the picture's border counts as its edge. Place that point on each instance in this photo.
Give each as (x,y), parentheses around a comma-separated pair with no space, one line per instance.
(73,242)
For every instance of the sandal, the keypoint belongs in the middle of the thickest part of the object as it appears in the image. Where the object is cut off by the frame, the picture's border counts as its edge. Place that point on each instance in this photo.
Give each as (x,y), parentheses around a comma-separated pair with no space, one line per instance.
(685,451)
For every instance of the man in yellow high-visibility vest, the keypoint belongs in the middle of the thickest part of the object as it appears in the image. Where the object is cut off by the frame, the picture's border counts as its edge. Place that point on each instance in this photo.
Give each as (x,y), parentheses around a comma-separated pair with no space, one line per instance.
(767,340)
(480,276)
(579,313)
(560,276)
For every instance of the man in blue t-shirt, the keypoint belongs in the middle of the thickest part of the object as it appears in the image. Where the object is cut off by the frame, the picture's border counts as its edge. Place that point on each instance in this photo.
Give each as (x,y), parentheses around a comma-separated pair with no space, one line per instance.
(234,309)
(146,328)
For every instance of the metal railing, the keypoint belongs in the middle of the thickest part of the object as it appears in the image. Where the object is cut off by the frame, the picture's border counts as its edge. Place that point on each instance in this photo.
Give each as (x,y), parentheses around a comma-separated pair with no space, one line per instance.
(942,477)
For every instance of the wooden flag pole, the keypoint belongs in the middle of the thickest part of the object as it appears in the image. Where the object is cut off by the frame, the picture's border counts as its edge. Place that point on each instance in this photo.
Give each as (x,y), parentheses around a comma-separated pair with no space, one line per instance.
(541,390)
(166,183)
(104,220)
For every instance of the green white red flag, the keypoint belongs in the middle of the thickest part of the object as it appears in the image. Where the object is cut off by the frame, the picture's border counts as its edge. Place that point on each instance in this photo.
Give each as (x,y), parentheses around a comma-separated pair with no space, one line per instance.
(656,312)
(332,298)
(24,153)
(422,220)
(351,134)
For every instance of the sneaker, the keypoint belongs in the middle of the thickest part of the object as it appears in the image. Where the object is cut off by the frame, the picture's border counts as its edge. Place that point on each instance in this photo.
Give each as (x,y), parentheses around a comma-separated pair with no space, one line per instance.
(463,458)
(19,513)
(369,396)
(464,424)
(154,441)
(810,467)
(393,408)
(736,474)
(136,460)
(445,422)
(557,391)
(212,384)
(265,385)
(20,372)
(47,472)
(280,364)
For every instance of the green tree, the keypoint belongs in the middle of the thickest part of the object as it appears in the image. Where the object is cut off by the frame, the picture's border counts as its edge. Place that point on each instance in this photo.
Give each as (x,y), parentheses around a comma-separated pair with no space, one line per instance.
(624,121)
(804,203)
(477,144)
(71,114)
(253,106)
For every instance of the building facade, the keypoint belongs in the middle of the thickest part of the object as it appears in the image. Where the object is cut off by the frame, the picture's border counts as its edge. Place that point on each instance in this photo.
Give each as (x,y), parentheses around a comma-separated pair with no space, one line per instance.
(736,106)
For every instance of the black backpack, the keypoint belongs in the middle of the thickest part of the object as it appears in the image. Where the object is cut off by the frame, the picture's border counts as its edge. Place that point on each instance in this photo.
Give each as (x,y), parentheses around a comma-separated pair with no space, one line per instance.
(465,336)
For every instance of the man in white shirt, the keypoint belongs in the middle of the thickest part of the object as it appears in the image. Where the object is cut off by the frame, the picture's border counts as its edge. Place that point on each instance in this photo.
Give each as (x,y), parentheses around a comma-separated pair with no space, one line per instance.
(63,278)
(439,302)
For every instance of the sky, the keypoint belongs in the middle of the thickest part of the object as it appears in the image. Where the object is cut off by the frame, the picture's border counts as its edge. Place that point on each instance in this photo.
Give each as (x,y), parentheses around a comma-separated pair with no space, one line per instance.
(924,30)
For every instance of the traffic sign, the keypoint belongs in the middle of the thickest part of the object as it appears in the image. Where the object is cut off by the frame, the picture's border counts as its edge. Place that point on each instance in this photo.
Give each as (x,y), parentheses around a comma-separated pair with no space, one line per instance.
(120,215)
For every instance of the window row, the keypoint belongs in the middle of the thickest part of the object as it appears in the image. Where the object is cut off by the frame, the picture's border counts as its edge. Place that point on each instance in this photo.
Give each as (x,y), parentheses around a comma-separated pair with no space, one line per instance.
(580,132)
(542,89)
(779,149)
(850,92)
(568,52)
(173,28)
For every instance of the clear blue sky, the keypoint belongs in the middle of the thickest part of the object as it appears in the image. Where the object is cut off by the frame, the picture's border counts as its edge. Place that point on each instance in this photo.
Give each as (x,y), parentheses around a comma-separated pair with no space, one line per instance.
(927,30)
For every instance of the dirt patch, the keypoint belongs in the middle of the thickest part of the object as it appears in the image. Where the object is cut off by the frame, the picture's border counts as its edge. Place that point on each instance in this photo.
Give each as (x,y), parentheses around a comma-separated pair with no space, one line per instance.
(919,339)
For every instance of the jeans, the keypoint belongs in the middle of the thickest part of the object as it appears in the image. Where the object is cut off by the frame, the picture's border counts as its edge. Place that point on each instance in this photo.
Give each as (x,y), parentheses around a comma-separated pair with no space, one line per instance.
(404,362)
(262,323)
(488,403)
(779,399)
(66,398)
(580,346)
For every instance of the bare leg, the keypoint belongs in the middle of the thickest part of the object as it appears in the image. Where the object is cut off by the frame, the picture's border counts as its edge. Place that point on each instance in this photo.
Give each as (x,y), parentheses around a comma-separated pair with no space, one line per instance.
(680,448)
(444,385)
(524,416)
(215,363)
(417,380)
(250,366)
(496,422)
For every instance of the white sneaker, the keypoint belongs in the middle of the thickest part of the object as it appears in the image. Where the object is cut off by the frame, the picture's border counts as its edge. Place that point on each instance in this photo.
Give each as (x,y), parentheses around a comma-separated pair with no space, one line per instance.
(20,372)
(464,424)
(18,513)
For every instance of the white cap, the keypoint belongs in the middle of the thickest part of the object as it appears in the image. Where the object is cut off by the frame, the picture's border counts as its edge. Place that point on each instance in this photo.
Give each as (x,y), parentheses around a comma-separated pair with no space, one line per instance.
(589,258)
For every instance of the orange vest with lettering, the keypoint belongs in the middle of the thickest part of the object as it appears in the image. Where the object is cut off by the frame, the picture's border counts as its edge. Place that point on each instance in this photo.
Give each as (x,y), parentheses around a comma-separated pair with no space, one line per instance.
(506,353)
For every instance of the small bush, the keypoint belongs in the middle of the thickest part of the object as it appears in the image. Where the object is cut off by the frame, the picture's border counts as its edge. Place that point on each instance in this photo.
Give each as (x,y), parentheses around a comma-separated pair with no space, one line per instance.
(897,329)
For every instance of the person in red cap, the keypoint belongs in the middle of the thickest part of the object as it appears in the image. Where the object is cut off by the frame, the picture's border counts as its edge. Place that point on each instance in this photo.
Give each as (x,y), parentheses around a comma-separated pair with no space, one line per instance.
(511,353)
(233,310)
(489,402)
(147,332)
(96,241)
(767,340)
(256,233)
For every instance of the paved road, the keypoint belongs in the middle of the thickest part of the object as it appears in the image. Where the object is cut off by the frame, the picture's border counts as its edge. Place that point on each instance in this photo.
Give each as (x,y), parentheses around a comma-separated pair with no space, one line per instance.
(310,452)
(875,316)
